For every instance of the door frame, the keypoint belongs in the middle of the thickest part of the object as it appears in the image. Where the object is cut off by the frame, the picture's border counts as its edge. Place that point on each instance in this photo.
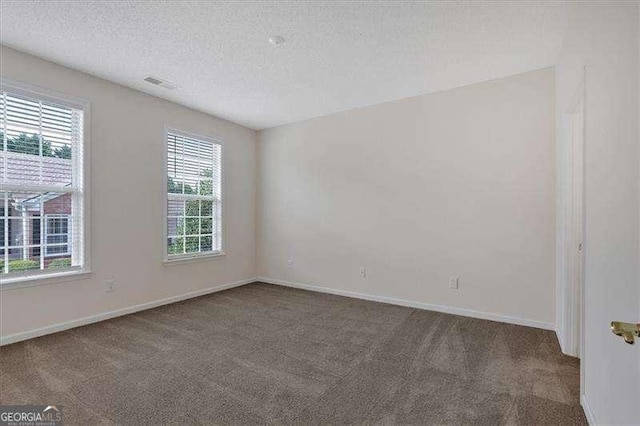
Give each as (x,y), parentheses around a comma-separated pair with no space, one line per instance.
(574,248)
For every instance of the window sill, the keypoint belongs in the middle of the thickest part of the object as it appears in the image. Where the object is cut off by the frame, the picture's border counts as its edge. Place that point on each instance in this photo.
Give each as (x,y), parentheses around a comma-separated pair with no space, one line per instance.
(43,279)
(190,259)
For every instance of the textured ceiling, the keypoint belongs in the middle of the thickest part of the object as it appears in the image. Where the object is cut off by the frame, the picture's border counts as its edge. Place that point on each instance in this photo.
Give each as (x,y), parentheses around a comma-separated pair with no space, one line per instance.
(338,55)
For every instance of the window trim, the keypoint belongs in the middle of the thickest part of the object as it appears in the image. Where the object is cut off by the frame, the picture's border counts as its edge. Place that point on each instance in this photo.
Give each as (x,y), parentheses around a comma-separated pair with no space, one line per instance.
(31,278)
(191,257)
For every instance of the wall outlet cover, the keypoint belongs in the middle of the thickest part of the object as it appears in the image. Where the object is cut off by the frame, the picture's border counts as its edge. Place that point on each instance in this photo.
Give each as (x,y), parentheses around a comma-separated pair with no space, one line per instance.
(453,283)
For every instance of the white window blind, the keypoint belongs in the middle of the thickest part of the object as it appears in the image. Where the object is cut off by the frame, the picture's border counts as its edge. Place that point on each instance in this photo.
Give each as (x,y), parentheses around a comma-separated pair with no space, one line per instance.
(194,196)
(41,185)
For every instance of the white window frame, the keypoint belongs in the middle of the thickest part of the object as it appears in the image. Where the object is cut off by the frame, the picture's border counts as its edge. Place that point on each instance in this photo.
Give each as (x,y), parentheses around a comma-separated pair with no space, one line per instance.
(46,245)
(168,259)
(81,201)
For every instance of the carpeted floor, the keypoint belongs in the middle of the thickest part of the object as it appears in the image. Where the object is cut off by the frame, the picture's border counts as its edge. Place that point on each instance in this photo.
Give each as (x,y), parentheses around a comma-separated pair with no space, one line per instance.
(267,354)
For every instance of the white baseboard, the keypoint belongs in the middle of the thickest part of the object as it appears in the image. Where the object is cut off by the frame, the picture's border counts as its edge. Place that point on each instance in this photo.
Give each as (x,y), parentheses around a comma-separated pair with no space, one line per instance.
(560,337)
(30,334)
(418,305)
(587,410)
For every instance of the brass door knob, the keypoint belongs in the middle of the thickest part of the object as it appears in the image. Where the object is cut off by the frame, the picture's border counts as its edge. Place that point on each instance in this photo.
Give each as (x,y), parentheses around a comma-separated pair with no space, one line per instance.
(628,331)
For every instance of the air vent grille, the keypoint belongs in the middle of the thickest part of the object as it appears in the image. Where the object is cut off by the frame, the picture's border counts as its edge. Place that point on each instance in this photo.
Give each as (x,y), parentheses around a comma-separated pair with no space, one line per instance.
(158,82)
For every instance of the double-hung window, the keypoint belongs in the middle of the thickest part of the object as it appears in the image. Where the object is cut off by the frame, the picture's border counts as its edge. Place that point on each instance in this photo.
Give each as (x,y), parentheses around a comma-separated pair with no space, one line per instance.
(41,184)
(194,196)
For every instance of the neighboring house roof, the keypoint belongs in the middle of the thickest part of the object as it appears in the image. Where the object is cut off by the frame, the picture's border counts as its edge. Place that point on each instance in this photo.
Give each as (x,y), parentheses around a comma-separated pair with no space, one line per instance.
(17,168)
(22,169)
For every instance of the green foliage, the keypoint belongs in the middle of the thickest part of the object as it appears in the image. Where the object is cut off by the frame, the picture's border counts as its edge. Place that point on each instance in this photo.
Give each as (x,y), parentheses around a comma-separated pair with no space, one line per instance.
(21,265)
(206,184)
(176,187)
(27,265)
(64,152)
(204,187)
(60,263)
(30,144)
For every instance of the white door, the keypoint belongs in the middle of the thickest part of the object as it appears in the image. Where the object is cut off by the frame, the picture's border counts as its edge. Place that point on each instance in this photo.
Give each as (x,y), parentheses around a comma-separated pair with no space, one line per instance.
(610,367)
(604,36)
(604,266)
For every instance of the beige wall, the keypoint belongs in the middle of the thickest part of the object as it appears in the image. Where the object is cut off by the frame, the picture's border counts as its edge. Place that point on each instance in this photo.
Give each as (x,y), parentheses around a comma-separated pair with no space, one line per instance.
(457,183)
(127,137)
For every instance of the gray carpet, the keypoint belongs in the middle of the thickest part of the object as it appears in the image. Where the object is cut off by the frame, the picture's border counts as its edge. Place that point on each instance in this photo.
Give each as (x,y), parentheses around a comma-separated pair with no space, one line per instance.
(267,354)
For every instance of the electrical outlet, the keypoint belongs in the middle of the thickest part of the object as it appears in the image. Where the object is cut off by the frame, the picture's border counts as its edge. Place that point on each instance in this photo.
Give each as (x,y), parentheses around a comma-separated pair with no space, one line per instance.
(363,272)
(453,283)
(110,285)
(290,263)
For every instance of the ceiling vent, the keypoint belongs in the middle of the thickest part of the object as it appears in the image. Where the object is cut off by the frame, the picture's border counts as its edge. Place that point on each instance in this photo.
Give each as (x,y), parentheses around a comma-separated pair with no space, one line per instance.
(158,82)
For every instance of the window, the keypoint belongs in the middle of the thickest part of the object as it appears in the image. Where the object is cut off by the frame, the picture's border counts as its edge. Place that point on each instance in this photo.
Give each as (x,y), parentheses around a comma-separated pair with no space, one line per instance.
(56,230)
(35,251)
(41,191)
(194,196)
(4,223)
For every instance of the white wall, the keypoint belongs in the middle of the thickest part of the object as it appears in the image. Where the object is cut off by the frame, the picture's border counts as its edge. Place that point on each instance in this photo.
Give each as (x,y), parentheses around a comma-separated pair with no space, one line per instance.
(127,137)
(604,37)
(457,183)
